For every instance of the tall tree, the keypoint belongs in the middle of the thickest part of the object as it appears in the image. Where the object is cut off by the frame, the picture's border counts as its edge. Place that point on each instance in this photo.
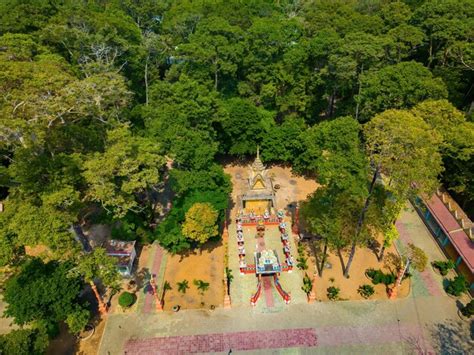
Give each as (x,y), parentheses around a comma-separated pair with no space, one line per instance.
(406,151)
(457,147)
(243,125)
(443,24)
(333,151)
(215,47)
(24,341)
(42,292)
(397,86)
(330,214)
(98,266)
(128,167)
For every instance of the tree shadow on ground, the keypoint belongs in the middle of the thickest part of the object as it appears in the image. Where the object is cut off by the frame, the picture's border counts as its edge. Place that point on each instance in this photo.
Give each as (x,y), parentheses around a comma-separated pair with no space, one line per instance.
(142,278)
(416,345)
(243,161)
(453,337)
(374,245)
(208,247)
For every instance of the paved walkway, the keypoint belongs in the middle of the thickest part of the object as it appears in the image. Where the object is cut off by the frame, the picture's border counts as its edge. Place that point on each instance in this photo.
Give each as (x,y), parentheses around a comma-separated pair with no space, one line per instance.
(155,265)
(425,322)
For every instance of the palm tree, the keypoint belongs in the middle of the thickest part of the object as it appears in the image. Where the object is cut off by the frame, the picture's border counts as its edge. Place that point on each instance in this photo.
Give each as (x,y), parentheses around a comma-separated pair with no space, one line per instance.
(166,287)
(183,286)
(202,286)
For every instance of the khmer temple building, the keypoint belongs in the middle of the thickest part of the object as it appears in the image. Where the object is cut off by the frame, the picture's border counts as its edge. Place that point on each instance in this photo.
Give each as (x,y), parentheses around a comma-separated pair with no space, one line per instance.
(260,195)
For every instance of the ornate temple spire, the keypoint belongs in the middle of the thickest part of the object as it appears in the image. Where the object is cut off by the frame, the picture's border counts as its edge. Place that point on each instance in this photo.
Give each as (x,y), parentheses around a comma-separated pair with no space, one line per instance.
(257,165)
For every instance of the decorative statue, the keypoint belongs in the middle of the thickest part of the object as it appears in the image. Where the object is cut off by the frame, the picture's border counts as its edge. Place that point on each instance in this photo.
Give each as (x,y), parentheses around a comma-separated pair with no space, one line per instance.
(266,215)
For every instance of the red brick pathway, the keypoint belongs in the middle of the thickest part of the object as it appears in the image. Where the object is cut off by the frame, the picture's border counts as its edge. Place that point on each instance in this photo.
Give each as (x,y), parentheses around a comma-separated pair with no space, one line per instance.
(267,289)
(267,284)
(155,270)
(428,279)
(223,342)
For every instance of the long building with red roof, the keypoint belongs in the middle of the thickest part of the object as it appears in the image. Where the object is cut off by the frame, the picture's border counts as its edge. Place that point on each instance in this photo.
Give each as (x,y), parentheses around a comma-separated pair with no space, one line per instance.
(452,229)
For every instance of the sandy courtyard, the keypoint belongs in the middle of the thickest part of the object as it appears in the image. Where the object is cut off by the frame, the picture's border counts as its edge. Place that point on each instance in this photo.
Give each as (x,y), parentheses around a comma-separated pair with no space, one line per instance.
(207,266)
(363,259)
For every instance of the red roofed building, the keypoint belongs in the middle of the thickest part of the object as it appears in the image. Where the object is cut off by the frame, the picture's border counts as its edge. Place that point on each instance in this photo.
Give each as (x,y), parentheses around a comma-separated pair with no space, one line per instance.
(452,229)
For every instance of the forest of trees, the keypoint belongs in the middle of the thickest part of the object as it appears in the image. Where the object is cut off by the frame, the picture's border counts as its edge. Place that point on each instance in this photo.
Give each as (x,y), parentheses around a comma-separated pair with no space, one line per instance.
(99,95)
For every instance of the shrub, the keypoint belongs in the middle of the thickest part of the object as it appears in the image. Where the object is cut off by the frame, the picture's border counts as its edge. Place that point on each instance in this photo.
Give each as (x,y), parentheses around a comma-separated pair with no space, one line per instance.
(468,309)
(333,293)
(307,284)
(302,263)
(378,277)
(457,286)
(300,249)
(418,257)
(365,291)
(126,299)
(370,273)
(389,279)
(443,266)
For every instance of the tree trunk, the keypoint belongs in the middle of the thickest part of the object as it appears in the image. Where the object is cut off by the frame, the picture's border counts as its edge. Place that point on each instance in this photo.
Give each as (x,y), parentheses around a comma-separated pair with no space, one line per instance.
(146,80)
(430,59)
(341,259)
(381,255)
(215,79)
(332,98)
(360,222)
(360,89)
(323,261)
(102,306)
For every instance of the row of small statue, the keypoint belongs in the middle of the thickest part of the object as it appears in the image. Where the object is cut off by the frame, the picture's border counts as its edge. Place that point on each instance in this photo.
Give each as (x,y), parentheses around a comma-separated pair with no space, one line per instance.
(286,245)
(255,217)
(240,243)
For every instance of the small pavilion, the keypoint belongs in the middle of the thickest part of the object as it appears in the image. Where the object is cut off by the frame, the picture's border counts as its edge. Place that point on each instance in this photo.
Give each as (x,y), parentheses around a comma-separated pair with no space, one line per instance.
(260,195)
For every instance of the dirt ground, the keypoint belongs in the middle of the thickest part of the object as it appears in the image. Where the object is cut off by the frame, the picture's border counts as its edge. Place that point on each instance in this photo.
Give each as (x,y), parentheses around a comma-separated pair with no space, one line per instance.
(363,260)
(90,346)
(66,343)
(208,266)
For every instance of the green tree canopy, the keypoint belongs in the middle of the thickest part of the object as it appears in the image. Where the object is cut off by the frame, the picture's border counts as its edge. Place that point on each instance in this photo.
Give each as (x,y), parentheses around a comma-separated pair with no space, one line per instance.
(42,292)
(98,265)
(457,148)
(406,149)
(129,166)
(396,87)
(24,341)
(214,48)
(243,125)
(332,150)
(201,223)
